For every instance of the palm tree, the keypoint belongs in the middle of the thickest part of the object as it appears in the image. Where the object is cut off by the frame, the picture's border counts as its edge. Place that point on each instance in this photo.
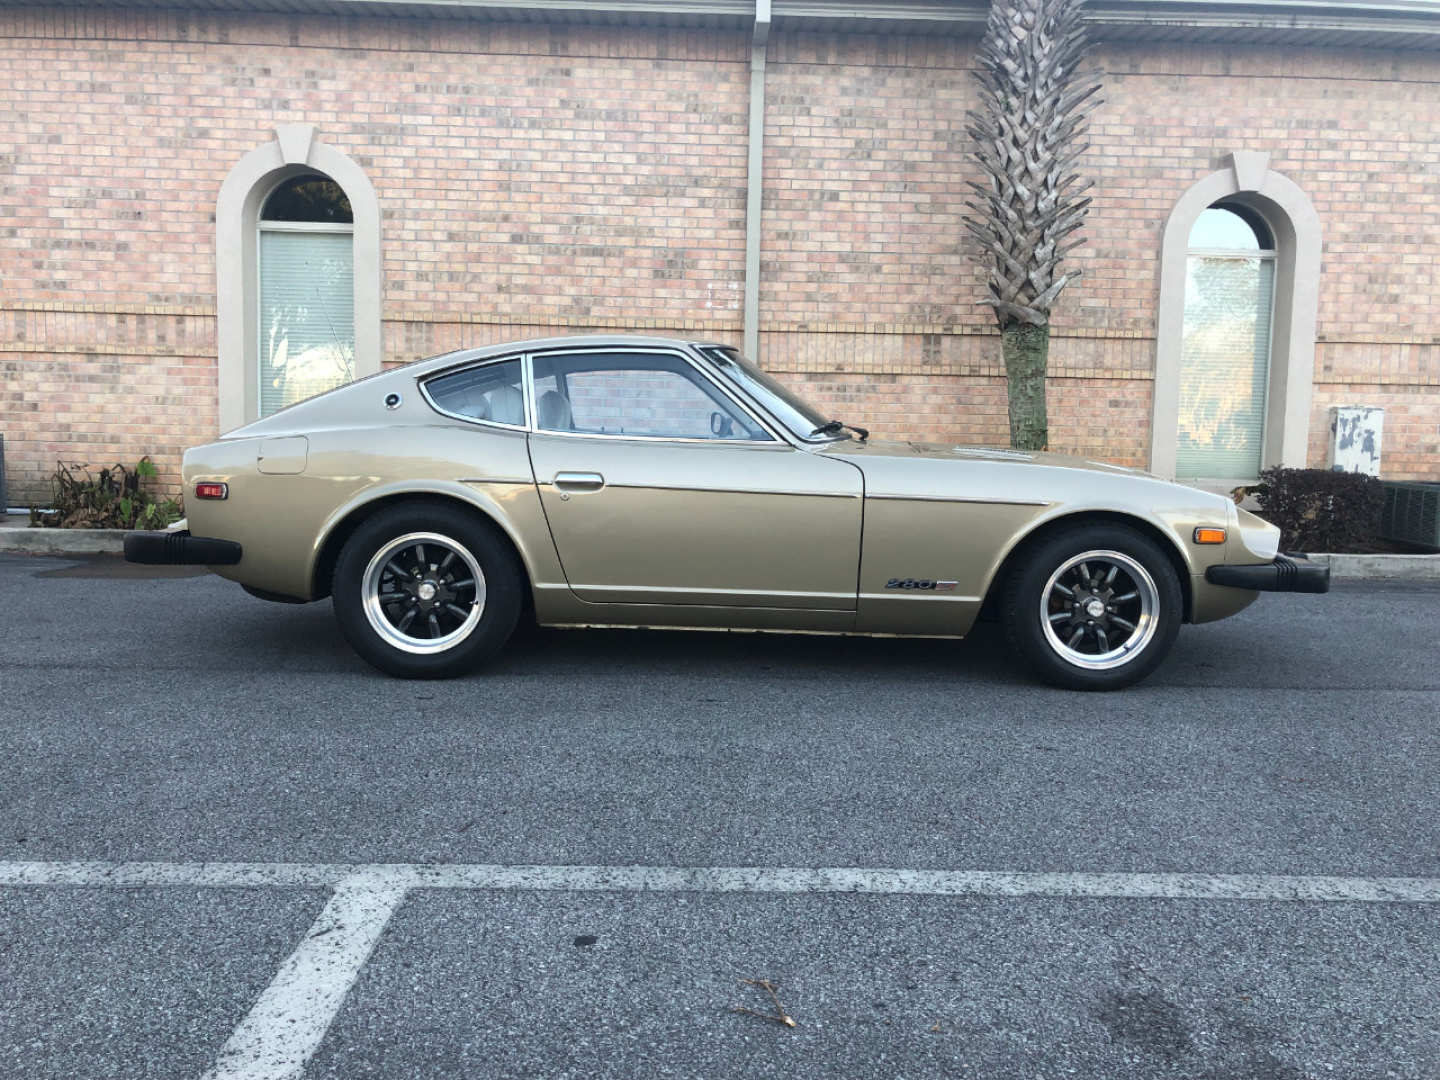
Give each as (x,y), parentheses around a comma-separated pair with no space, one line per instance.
(1029,134)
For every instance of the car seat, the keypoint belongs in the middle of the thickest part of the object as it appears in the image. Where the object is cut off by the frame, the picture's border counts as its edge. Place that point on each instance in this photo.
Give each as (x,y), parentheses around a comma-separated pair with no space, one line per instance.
(506,406)
(468,402)
(554,411)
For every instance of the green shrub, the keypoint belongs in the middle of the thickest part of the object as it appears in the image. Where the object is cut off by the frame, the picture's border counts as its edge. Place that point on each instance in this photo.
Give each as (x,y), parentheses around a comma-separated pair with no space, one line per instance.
(1320,510)
(113,498)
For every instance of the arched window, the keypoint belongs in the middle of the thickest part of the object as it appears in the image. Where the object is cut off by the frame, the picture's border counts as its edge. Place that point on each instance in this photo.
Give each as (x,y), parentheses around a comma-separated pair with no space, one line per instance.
(295,220)
(1235,328)
(306,289)
(1225,355)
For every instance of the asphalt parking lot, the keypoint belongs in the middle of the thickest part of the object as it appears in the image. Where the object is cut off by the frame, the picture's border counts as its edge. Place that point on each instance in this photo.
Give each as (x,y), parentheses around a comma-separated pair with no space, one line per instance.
(229,848)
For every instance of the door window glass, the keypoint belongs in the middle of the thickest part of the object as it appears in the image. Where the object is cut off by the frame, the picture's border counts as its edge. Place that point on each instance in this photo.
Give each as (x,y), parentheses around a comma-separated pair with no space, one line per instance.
(654,395)
(782,403)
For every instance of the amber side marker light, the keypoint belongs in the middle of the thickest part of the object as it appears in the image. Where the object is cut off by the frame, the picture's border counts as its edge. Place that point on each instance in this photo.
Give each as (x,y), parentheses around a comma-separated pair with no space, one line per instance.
(212,491)
(1209,536)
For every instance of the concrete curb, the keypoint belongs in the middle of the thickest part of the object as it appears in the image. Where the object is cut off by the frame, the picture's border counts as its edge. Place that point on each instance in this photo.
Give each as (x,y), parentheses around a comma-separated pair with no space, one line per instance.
(28,541)
(1405,567)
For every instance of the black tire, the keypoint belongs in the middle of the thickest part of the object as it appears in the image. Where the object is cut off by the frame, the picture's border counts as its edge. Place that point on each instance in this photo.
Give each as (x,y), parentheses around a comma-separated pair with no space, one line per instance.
(1086,648)
(379,561)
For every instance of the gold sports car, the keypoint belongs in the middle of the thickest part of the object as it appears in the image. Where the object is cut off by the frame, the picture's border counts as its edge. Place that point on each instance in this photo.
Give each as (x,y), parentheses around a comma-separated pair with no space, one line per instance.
(629,481)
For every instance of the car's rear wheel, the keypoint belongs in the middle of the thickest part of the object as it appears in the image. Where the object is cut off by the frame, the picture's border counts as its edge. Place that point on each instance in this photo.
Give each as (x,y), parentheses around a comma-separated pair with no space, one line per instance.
(424,590)
(1094,608)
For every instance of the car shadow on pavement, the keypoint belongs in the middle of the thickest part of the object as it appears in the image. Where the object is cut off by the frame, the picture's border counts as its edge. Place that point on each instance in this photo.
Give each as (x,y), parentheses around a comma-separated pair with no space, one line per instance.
(238,631)
(109,568)
(182,615)
(981,658)
(308,637)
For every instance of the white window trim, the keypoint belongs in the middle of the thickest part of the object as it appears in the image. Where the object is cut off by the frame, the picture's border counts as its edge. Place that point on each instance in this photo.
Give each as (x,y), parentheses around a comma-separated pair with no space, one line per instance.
(294,150)
(1233,253)
(1296,300)
(305,226)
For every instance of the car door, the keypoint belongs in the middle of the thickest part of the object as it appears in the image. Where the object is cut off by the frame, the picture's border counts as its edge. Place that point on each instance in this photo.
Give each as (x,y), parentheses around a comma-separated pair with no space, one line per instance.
(660,488)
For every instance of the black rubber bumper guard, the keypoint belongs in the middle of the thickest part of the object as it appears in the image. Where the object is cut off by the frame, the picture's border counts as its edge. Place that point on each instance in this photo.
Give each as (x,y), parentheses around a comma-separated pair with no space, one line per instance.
(1282,575)
(179,549)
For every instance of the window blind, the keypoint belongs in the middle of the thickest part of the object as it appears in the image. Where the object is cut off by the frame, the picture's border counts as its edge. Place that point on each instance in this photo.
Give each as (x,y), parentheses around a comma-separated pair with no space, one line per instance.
(1225,366)
(307,315)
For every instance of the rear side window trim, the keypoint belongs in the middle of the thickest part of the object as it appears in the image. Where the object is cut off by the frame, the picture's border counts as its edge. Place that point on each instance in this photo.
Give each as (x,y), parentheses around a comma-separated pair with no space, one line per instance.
(531,424)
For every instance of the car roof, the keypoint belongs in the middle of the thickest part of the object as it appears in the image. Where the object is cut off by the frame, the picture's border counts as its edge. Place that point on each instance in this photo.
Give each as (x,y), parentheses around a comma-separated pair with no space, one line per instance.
(421,368)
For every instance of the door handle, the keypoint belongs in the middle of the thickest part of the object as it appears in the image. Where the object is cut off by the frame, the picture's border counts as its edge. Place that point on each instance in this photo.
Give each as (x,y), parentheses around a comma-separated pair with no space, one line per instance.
(579,481)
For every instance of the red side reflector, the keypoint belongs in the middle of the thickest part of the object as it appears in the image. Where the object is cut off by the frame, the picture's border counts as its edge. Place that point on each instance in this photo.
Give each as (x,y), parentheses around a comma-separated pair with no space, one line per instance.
(212,491)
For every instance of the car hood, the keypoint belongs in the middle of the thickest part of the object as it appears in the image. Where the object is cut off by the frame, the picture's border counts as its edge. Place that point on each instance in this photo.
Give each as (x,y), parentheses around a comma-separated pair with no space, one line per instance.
(876,449)
(991,474)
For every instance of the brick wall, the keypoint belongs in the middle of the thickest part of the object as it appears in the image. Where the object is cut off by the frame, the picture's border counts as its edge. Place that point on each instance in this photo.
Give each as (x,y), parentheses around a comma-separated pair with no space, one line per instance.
(551,180)
(865,169)
(532,181)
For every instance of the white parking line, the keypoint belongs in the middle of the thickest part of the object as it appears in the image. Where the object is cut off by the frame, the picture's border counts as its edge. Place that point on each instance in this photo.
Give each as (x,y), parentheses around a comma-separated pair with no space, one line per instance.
(290,1018)
(286,1024)
(1273,887)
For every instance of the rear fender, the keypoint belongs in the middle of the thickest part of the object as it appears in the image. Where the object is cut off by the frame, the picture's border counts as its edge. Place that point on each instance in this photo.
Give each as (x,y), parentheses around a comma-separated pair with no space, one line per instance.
(511,507)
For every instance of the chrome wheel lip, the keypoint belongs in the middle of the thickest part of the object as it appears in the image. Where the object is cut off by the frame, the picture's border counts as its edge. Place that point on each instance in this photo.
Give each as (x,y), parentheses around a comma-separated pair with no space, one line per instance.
(387,631)
(1146,624)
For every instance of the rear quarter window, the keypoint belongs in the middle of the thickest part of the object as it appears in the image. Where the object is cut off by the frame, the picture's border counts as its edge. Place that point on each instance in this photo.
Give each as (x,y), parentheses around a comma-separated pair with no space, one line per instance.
(491,393)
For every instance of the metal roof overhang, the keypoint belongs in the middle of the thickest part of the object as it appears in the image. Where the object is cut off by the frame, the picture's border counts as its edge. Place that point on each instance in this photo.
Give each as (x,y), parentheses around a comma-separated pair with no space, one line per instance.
(1351,23)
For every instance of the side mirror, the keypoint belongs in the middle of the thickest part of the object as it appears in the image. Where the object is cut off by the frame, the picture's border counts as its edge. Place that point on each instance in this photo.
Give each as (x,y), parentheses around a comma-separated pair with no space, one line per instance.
(721,426)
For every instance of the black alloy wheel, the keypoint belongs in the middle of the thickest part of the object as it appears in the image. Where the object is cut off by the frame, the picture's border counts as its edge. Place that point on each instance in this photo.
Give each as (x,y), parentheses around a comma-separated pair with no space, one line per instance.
(1097,607)
(427,590)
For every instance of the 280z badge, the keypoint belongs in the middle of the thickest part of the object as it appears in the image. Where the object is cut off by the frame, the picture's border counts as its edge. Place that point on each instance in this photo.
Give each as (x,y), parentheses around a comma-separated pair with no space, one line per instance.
(920,584)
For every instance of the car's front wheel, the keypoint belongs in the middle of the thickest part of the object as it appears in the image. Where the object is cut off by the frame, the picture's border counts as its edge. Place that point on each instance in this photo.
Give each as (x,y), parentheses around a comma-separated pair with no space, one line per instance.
(1094,608)
(424,590)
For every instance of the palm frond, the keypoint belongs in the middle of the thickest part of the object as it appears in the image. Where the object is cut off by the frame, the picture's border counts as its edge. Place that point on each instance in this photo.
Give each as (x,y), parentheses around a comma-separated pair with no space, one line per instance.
(1029,132)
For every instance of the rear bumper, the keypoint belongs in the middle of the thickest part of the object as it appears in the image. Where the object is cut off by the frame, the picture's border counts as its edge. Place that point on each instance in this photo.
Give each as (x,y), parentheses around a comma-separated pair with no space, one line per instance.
(1282,575)
(179,549)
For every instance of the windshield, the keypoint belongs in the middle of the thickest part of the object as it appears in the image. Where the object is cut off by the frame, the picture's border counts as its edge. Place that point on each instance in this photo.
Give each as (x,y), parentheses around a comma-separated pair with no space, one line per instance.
(779,402)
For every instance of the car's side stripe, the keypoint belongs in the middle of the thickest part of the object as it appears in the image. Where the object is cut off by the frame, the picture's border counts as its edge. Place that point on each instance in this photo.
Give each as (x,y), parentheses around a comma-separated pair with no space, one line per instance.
(709,591)
(910,594)
(735,491)
(959,499)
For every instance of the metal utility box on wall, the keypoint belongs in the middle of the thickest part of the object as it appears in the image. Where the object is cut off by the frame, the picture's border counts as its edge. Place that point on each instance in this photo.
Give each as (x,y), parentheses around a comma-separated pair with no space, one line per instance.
(1355,439)
(1411,513)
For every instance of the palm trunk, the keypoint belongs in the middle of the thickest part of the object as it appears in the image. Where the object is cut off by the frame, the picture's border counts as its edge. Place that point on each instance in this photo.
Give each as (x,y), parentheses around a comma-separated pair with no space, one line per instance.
(1027,348)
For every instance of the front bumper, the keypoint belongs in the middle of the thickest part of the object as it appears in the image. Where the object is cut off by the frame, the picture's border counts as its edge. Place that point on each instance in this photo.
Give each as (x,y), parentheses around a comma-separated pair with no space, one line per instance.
(179,548)
(1282,575)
